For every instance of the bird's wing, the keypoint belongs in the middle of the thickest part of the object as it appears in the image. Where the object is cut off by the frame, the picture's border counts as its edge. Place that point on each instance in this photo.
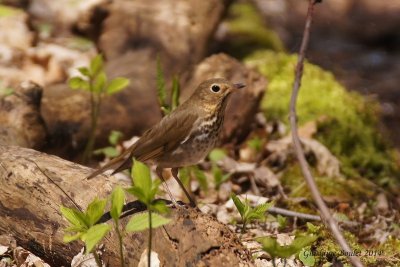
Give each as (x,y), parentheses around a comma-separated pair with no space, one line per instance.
(165,136)
(161,138)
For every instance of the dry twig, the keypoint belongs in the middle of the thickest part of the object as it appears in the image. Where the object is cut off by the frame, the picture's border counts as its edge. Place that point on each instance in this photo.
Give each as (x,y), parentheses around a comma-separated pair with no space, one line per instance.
(324,211)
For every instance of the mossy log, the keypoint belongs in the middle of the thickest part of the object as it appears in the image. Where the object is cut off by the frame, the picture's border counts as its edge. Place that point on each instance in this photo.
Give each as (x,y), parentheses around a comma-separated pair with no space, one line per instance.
(33,185)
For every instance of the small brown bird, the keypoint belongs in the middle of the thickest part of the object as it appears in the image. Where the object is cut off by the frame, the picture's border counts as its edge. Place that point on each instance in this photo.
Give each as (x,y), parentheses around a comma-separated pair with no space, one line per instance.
(184,137)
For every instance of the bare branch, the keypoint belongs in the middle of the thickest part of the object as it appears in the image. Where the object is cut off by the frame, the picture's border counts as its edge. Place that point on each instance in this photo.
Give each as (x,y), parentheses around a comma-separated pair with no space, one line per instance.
(324,211)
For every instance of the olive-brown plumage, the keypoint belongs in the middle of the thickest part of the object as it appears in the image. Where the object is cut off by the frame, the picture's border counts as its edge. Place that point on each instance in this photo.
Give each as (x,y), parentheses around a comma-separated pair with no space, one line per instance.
(183,137)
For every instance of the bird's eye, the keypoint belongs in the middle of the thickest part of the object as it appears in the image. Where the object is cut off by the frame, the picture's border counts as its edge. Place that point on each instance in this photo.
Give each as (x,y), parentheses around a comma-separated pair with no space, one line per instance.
(215,88)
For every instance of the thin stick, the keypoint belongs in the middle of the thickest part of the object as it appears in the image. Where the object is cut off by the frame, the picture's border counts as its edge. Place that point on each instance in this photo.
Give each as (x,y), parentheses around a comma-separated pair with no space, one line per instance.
(290,213)
(59,187)
(306,216)
(324,211)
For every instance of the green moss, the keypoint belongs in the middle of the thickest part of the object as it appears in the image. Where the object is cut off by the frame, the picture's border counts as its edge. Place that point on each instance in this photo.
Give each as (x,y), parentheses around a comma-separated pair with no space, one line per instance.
(346,122)
(386,254)
(347,190)
(247,31)
(327,248)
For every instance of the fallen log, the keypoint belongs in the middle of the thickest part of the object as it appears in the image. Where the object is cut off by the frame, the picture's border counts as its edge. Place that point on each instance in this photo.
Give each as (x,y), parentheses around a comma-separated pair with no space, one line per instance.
(33,185)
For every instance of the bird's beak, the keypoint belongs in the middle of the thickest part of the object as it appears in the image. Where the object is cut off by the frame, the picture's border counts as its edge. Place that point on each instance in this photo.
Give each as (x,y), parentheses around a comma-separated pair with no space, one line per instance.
(239,85)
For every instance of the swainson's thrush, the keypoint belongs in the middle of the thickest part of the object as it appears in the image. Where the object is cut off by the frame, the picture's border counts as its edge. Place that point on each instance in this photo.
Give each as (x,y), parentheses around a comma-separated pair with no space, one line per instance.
(183,137)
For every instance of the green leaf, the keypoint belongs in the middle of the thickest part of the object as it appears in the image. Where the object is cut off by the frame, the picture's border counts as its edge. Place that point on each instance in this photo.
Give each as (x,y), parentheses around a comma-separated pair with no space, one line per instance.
(115,137)
(117,202)
(311,228)
(154,189)
(141,176)
(117,85)
(303,241)
(219,178)
(74,217)
(217,154)
(138,192)
(175,93)
(269,244)
(158,220)
(201,177)
(217,173)
(307,257)
(99,82)
(96,64)
(273,248)
(94,235)
(282,221)
(262,208)
(78,83)
(161,91)
(84,71)
(70,238)
(95,210)
(256,213)
(239,205)
(160,206)
(140,222)
(110,152)
(254,216)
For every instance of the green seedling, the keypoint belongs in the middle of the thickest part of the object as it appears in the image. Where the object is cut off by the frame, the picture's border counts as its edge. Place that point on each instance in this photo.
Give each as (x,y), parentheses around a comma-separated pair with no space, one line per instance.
(273,248)
(249,214)
(162,91)
(83,225)
(282,221)
(145,189)
(313,229)
(94,80)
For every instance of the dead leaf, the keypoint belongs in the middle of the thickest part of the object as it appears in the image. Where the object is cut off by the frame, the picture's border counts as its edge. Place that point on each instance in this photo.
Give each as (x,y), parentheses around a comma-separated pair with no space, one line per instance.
(265,177)
(382,202)
(308,129)
(281,150)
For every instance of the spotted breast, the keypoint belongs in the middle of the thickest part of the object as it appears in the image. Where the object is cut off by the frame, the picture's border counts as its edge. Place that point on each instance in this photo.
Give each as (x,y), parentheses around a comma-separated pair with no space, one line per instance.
(197,144)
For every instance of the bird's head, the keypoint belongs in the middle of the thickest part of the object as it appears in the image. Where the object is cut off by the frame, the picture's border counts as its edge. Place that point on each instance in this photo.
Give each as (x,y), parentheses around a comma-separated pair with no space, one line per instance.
(213,92)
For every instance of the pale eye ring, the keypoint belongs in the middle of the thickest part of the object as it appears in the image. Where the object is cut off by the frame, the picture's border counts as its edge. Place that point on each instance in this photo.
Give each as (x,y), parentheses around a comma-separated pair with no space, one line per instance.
(215,88)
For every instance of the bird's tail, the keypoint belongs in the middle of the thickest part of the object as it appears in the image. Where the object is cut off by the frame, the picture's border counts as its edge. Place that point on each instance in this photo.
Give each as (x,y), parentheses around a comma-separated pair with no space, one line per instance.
(120,163)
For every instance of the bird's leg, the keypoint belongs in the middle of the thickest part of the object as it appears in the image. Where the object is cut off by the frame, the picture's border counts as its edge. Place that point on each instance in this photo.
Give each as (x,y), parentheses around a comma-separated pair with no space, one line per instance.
(160,175)
(174,172)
